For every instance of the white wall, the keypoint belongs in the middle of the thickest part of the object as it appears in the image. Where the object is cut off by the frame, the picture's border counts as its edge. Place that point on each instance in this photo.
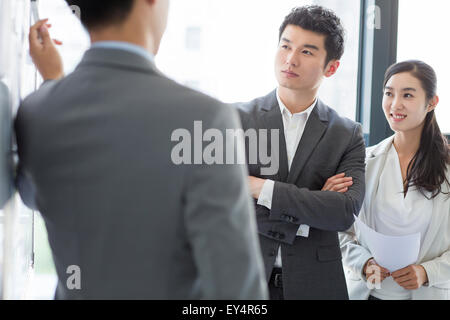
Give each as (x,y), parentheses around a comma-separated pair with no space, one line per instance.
(17,77)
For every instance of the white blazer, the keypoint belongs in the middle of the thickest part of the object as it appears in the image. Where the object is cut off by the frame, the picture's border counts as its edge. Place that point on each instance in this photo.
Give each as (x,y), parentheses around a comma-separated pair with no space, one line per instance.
(434,255)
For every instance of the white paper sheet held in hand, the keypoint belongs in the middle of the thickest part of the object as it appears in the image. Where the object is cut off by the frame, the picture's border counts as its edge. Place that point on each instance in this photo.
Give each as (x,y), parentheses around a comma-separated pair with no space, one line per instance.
(391,252)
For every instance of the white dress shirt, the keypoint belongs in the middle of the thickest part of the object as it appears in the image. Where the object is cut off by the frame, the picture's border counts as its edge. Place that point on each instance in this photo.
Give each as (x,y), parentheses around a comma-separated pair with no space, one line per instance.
(396,215)
(294,125)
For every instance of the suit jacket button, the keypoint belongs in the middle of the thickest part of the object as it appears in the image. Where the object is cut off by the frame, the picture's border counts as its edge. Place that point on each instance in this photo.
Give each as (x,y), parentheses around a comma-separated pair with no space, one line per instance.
(281,236)
(293,219)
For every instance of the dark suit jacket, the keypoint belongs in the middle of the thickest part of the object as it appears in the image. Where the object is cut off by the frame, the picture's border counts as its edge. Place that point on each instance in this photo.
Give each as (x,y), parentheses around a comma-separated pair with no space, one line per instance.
(312,267)
(95,157)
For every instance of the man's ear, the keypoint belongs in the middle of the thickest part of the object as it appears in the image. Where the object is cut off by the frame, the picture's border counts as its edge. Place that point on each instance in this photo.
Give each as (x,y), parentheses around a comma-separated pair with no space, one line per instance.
(332,68)
(433,103)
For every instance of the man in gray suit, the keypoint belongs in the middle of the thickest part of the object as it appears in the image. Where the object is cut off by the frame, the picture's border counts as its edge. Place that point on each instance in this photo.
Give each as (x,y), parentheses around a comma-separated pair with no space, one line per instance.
(95,153)
(298,215)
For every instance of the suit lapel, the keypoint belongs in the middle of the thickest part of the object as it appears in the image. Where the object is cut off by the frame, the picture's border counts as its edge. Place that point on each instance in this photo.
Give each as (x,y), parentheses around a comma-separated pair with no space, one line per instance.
(314,130)
(271,116)
(375,161)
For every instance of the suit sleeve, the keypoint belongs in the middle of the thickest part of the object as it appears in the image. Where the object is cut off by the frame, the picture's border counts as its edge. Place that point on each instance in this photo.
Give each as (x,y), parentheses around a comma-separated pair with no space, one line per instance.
(325,210)
(438,270)
(221,226)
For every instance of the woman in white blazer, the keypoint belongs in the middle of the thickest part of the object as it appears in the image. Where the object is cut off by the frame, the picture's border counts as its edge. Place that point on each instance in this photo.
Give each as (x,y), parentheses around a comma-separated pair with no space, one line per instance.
(407,191)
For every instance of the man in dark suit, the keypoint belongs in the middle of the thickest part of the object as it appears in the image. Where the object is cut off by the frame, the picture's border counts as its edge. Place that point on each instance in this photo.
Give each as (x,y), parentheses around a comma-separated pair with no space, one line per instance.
(95,151)
(298,215)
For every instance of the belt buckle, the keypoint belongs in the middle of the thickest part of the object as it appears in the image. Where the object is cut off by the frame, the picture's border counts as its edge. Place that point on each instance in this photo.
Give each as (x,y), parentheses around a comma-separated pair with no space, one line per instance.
(278,281)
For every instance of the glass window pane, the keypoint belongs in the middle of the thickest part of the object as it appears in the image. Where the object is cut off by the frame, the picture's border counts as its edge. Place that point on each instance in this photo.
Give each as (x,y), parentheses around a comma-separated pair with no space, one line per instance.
(420,37)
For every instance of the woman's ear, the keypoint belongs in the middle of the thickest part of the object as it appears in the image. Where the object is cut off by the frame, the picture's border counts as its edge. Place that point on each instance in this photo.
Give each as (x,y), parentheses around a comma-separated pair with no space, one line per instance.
(433,103)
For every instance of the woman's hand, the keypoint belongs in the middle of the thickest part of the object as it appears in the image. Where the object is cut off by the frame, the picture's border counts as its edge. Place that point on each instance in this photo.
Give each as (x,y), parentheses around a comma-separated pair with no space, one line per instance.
(373,271)
(411,278)
(338,183)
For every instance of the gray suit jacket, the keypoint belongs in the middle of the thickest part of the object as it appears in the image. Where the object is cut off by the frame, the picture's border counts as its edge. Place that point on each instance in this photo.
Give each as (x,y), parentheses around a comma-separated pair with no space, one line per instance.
(312,267)
(95,159)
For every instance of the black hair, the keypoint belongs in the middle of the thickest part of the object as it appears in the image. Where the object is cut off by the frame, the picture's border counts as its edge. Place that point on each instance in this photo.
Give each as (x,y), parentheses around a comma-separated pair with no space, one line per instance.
(102,13)
(320,20)
(427,170)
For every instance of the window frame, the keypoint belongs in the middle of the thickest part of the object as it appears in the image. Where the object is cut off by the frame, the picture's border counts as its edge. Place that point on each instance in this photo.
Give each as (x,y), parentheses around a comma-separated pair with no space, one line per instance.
(374,59)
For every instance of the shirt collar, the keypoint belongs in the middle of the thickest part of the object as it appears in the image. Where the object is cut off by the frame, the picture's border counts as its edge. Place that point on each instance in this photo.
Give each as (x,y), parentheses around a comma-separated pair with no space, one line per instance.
(284,109)
(122,45)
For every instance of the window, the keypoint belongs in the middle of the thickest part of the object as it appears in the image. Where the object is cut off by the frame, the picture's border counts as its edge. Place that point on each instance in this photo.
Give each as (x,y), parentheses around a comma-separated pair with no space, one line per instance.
(422,36)
(17,79)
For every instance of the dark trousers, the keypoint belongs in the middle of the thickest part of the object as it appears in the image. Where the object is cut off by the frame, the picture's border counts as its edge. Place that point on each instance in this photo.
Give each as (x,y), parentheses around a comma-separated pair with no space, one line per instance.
(276,285)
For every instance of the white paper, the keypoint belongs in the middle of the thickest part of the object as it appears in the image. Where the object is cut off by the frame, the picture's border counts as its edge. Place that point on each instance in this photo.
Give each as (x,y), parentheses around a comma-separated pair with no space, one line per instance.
(391,252)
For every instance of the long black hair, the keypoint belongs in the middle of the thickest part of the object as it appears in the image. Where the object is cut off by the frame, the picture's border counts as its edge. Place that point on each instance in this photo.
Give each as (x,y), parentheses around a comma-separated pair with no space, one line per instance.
(428,168)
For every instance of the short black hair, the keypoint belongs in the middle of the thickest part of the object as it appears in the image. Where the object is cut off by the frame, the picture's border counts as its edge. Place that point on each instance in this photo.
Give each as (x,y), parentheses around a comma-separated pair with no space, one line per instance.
(321,20)
(102,13)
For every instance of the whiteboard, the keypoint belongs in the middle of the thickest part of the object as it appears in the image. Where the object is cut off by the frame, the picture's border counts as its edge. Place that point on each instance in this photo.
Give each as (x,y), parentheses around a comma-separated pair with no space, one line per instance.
(17,79)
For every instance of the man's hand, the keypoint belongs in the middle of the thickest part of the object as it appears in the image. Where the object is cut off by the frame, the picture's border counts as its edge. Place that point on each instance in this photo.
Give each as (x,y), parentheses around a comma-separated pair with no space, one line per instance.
(44,53)
(411,278)
(372,269)
(256,185)
(338,183)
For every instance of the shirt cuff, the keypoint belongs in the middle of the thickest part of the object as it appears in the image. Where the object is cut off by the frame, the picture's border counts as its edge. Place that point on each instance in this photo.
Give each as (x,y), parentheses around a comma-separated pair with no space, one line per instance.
(303,231)
(265,197)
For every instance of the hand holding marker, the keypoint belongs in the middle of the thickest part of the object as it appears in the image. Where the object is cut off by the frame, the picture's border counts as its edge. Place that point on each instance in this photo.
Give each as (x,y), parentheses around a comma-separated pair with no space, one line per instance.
(36,19)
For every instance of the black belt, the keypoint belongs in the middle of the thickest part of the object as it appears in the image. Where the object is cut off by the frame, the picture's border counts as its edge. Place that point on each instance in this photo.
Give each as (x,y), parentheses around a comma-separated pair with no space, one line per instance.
(277,278)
